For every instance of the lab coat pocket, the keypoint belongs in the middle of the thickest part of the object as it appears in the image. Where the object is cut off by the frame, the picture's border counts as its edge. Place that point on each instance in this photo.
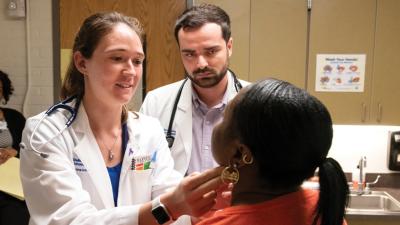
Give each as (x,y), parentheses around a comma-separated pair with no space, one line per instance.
(139,183)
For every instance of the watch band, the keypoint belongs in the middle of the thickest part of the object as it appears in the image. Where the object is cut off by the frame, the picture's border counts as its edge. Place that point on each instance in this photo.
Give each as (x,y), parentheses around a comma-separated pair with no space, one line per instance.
(159,211)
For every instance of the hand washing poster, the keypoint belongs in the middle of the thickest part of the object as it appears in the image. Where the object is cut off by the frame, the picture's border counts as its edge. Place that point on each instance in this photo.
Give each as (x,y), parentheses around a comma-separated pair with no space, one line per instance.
(340,73)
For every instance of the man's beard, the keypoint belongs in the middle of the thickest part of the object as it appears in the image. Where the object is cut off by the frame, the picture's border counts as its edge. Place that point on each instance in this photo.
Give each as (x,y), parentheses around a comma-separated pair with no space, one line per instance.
(209,81)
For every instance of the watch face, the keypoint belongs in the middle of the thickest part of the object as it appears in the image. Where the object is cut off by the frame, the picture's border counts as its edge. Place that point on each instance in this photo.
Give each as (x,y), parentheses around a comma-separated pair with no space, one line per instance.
(160,214)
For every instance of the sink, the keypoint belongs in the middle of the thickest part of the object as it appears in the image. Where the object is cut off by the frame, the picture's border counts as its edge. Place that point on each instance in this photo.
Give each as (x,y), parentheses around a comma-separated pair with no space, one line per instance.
(376,203)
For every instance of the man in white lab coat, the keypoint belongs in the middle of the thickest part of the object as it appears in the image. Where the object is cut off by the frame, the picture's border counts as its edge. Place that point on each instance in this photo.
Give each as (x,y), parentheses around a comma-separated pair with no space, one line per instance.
(204,38)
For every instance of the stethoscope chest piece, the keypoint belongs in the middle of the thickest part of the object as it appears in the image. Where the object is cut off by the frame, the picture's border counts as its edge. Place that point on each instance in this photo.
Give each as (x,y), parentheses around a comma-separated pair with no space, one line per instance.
(170,140)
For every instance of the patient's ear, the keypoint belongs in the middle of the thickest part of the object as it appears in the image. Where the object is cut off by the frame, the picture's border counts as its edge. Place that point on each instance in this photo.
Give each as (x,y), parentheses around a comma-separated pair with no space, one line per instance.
(80,62)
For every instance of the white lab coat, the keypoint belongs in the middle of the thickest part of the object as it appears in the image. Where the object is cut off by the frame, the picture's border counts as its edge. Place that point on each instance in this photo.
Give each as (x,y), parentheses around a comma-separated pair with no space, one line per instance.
(159,103)
(72,185)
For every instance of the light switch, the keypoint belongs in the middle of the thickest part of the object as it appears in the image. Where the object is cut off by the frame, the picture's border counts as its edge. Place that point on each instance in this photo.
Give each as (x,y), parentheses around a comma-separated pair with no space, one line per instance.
(16,8)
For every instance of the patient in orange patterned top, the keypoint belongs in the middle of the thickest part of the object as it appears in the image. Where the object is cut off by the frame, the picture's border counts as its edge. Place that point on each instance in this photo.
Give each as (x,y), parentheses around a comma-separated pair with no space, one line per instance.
(272,138)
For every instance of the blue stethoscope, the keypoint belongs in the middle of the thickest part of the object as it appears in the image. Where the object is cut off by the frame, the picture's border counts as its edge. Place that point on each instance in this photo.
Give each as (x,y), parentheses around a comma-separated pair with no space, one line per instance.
(72,110)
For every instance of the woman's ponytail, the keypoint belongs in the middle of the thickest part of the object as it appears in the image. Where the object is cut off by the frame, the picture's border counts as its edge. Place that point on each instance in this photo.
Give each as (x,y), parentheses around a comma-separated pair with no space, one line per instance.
(333,196)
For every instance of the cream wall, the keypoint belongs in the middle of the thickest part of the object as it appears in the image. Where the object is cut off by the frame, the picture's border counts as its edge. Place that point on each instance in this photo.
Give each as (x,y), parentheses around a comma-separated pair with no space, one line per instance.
(26,55)
(352,142)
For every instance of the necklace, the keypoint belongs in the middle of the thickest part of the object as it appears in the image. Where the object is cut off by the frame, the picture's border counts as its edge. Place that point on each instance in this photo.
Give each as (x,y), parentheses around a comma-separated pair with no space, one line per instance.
(110,150)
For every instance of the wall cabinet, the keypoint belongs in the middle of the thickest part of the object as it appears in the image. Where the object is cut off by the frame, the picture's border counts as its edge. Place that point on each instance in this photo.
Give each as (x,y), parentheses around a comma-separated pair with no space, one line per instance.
(281,38)
(385,101)
(269,38)
(343,27)
(370,27)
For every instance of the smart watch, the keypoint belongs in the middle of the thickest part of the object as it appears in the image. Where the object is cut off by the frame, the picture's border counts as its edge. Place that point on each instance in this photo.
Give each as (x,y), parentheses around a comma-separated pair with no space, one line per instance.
(159,211)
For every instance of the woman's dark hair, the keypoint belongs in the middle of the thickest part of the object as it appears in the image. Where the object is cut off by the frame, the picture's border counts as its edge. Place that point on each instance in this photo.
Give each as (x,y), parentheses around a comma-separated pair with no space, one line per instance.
(196,16)
(289,132)
(8,89)
(93,29)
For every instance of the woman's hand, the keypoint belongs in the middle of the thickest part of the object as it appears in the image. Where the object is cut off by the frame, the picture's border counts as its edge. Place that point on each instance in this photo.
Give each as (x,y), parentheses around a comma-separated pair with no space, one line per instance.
(224,194)
(6,154)
(223,200)
(195,195)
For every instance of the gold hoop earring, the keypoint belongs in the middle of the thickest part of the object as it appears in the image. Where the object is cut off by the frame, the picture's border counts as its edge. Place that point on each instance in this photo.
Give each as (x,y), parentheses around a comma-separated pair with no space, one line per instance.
(230,174)
(247,159)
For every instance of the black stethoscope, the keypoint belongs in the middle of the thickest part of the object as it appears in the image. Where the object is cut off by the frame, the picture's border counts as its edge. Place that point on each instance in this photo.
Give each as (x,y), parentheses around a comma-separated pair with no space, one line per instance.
(72,110)
(168,135)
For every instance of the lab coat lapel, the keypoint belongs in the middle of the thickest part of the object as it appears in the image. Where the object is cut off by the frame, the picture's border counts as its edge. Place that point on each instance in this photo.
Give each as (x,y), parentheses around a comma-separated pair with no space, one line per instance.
(184,119)
(89,153)
(231,90)
(131,147)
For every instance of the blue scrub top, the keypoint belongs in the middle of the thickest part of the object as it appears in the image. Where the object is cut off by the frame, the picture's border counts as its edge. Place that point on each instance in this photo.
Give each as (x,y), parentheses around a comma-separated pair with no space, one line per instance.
(115,172)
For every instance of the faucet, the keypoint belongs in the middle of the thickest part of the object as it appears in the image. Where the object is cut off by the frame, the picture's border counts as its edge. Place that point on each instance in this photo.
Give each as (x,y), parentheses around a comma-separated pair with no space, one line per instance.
(361,165)
(364,187)
(367,189)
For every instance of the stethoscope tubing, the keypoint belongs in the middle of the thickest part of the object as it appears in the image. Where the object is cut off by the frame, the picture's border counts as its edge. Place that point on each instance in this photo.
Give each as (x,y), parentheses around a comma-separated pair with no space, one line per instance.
(61,105)
(168,135)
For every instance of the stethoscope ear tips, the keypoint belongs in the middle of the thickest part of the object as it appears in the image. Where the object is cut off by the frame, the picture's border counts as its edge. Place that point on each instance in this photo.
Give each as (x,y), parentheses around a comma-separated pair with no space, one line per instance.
(22,145)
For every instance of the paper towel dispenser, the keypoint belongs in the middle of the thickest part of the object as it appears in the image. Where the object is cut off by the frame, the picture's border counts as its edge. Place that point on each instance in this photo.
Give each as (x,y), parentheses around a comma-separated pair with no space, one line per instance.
(394,151)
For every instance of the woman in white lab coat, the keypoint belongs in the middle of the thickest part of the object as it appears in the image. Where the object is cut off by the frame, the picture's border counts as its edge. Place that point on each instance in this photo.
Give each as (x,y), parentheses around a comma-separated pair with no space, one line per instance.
(110,166)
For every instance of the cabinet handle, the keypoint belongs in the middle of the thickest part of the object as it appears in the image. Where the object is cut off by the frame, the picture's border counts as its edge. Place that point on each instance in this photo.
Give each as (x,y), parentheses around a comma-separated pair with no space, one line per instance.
(363,112)
(379,116)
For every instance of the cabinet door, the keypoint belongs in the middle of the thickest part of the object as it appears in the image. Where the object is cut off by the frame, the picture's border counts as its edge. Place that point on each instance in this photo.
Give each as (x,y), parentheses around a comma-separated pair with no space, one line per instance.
(269,38)
(163,63)
(239,13)
(385,104)
(278,40)
(343,27)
